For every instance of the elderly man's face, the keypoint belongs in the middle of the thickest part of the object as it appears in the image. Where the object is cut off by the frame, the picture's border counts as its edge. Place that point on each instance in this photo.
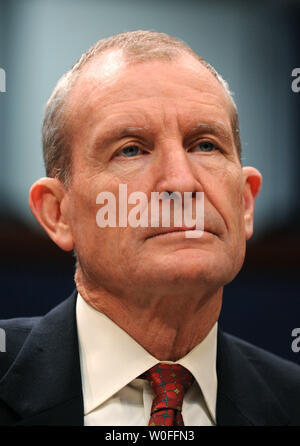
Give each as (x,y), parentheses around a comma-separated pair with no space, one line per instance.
(145,125)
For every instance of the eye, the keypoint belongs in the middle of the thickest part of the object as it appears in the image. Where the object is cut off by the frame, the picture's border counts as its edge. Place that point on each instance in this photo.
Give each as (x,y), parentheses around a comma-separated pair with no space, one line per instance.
(129,151)
(205,146)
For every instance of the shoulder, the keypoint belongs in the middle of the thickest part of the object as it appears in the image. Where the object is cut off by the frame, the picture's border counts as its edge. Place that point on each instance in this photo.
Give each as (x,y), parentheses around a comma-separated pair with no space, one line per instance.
(18,328)
(51,328)
(266,364)
(13,334)
(263,374)
(19,323)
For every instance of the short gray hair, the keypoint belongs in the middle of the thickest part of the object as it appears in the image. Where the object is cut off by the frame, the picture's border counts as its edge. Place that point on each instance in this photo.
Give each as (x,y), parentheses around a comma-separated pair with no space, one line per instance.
(137,46)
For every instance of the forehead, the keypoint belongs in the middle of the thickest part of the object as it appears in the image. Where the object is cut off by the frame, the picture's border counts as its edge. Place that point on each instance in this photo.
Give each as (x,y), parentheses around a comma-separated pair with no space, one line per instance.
(111,85)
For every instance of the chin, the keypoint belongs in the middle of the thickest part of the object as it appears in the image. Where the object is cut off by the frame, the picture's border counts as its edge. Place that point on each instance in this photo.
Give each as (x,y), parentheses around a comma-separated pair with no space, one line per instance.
(190,270)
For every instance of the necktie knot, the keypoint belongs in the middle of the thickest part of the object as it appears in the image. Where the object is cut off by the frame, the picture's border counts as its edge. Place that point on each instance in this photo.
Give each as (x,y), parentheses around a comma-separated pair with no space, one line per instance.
(169,383)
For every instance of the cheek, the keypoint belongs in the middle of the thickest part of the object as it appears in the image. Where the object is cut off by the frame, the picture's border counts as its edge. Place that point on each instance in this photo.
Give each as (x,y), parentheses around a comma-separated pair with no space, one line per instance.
(87,234)
(83,211)
(233,215)
(226,195)
(235,209)
(224,188)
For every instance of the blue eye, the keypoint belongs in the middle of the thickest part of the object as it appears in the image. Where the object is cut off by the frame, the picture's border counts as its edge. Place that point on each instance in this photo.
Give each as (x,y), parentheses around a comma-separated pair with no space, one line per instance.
(206,146)
(129,151)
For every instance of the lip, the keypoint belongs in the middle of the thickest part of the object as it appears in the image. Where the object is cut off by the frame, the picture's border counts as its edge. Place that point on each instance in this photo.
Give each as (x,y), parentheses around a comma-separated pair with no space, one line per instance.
(167,231)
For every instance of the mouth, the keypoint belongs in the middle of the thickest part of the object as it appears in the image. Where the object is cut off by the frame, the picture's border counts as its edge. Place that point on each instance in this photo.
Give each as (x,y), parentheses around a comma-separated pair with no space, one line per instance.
(178,232)
(167,231)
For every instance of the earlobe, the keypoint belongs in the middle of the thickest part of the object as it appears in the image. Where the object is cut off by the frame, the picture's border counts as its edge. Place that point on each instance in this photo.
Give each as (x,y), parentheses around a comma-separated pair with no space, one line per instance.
(252,185)
(45,200)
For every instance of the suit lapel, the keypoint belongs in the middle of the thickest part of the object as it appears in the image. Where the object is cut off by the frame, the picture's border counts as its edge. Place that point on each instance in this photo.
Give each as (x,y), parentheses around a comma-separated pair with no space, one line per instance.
(43,385)
(243,398)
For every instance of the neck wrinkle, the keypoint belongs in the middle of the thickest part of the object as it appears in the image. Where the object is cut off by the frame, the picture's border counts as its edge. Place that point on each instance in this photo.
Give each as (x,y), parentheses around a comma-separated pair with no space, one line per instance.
(160,329)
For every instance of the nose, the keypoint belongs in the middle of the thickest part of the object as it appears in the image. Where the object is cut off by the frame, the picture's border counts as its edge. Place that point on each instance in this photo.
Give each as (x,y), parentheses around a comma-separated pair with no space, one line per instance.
(176,172)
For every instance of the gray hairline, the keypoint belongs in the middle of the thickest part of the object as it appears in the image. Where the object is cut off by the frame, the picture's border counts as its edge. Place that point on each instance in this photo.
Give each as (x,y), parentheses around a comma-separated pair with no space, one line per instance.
(54,124)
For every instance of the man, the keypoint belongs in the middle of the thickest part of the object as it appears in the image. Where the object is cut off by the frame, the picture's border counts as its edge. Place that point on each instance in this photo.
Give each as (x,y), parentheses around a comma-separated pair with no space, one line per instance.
(138,342)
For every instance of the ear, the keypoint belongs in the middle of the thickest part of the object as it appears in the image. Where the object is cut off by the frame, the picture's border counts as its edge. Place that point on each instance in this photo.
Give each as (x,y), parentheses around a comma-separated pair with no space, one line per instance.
(46,198)
(252,184)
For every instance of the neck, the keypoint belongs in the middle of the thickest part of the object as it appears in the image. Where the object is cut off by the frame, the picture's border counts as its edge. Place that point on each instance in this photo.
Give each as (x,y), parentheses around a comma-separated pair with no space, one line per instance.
(168,328)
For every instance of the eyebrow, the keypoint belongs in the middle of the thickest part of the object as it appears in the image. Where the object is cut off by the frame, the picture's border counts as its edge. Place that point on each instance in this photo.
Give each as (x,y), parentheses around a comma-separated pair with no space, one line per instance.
(214,129)
(115,134)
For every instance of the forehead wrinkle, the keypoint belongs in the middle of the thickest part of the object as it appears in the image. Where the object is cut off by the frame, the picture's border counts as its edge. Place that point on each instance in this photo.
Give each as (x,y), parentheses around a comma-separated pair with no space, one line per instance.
(122,131)
(130,130)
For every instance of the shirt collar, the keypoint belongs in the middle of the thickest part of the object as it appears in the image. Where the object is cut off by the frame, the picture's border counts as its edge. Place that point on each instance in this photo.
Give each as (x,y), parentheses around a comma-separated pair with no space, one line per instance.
(201,362)
(105,348)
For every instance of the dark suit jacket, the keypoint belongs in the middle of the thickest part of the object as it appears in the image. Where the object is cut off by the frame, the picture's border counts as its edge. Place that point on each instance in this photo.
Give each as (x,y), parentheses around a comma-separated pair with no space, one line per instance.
(40,380)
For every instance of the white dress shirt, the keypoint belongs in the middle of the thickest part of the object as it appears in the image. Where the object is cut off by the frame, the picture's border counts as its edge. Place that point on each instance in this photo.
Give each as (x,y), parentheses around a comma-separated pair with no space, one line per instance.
(111,361)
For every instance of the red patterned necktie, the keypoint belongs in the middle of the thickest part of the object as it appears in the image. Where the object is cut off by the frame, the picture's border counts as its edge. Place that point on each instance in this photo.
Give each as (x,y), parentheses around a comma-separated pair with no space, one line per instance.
(169,383)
